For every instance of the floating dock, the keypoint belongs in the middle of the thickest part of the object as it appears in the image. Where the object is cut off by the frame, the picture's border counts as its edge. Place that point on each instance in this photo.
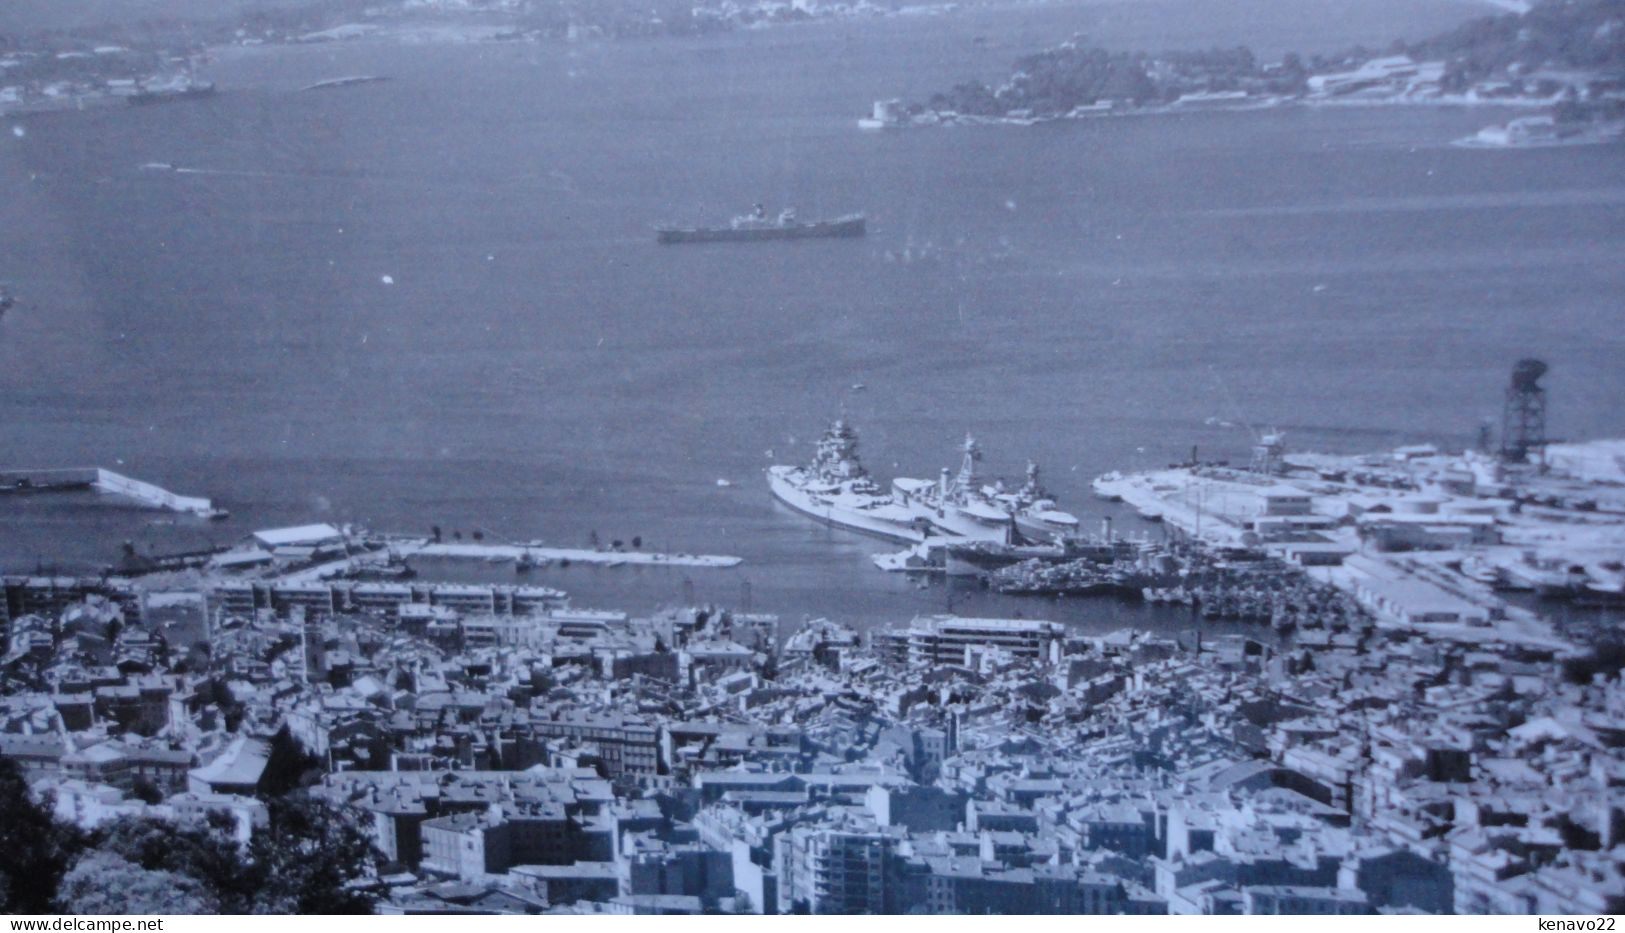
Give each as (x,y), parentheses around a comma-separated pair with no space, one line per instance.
(102,480)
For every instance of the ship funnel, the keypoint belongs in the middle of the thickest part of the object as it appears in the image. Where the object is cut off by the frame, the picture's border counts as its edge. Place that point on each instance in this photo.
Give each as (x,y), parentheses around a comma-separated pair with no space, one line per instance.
(1106,529)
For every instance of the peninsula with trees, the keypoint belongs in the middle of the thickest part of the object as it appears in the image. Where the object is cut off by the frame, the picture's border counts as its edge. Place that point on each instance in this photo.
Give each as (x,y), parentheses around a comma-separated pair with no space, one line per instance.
(1564,57)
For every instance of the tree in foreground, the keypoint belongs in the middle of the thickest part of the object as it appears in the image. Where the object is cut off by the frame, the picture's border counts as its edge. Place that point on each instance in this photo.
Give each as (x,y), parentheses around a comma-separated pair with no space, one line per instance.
(312,859)
(35,850)
(103,883)
(205,854)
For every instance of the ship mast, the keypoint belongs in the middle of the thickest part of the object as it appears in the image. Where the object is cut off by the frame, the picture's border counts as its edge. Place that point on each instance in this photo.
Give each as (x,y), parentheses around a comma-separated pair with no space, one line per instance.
(966,482)
(1034,490)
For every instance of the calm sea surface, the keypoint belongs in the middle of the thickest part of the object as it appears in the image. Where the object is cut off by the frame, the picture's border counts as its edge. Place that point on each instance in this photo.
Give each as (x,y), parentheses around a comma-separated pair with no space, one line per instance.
(1095,295)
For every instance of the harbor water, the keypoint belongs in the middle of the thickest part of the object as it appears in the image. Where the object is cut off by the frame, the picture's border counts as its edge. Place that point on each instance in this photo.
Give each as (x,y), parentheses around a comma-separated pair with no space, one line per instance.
(438,300)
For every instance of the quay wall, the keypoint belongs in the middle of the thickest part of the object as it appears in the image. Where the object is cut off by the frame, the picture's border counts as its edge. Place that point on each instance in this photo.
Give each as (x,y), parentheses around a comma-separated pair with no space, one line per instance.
(64,478)
(109,481)
(104,480)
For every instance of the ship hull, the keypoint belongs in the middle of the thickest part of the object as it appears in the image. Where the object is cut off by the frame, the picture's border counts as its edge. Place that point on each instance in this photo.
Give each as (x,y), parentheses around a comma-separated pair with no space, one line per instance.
(835,516)
(843,227)
(972,561)
(1035,529)
(1599,597)
(953,522)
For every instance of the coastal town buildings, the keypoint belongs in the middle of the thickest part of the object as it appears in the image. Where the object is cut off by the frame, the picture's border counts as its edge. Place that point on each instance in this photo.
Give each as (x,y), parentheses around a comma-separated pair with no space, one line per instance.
(555,759)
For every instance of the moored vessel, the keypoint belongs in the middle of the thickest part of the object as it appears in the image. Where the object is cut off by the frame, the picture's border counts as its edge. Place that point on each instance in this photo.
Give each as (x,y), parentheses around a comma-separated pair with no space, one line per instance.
(975,558)
(180,89)
(957,506)
(758,226)
(836,489)
(1038,518)
(964,506)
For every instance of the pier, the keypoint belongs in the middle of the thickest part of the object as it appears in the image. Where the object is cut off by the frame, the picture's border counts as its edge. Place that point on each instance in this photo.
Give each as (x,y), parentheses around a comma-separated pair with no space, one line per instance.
(1375,534)
(103,480)
(425,548)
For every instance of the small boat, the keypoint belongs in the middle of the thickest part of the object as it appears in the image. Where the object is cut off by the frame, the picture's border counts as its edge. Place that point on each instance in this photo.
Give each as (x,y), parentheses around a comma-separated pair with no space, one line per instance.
(346,81)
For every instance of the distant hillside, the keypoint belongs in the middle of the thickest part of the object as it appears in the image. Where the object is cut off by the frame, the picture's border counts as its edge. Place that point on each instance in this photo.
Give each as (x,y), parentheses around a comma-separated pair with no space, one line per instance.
(28,16)
(1573,35)
(1583,34)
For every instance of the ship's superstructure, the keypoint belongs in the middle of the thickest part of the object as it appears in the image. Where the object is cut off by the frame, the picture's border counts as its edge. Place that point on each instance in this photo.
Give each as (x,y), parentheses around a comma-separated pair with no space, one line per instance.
(960,506)
(757,225)
(957,508)
(1037,516)
(837,490)
(964,506)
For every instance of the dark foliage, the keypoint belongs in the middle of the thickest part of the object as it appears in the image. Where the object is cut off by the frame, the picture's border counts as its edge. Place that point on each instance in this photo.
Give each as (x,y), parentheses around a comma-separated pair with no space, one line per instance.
(144,790)
(1606,658)
(35,851)
(205,854)
(1574,34)
(311,859)
(102,883)
(1584,34)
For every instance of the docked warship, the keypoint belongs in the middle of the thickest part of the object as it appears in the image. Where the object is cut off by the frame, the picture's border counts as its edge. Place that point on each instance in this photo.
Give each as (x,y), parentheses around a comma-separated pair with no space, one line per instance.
(964,506)
(758,226)
(836,490)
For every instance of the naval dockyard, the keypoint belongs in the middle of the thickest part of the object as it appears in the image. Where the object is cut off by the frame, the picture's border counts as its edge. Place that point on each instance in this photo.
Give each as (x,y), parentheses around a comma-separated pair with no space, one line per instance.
(1421,710)
(1472,545)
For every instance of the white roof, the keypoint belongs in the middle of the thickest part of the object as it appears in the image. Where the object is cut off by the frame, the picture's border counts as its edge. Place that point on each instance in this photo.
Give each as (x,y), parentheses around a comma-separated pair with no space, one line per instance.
(242,762)
(299,534)
(1604,460)
(952,621)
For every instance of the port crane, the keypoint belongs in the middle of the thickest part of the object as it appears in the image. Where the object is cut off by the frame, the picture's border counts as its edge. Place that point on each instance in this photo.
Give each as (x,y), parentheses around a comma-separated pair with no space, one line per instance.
(1267,445)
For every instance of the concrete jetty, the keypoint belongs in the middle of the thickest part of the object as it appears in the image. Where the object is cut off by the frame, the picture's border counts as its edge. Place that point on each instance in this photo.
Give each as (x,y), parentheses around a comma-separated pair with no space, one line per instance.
(426,548)
(104,480)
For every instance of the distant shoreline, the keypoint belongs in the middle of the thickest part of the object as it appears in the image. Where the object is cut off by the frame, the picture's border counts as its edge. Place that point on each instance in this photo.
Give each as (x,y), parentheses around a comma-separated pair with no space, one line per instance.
(930,118)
